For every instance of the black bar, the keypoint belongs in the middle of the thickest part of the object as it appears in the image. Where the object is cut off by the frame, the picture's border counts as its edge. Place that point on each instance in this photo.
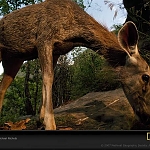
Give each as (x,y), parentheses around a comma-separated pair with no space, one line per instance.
(74,140)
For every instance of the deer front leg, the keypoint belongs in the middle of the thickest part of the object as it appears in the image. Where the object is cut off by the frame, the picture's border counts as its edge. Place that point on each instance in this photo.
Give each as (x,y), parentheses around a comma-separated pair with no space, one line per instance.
(11,68)
(46,61)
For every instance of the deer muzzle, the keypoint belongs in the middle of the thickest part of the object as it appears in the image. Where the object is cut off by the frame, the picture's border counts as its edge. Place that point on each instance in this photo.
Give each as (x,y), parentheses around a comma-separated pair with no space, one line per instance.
(142,111)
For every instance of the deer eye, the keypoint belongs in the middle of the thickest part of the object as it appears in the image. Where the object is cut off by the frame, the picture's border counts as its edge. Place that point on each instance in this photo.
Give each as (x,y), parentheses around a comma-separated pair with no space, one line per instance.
(145,78)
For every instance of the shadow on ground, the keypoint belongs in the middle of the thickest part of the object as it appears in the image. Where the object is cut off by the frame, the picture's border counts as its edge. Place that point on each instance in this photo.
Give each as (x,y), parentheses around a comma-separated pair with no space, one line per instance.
(95,111)
(98,111)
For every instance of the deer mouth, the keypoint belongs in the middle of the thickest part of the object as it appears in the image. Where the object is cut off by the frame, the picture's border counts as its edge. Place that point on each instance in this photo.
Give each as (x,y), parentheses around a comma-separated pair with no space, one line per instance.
(140,105)
(143,112)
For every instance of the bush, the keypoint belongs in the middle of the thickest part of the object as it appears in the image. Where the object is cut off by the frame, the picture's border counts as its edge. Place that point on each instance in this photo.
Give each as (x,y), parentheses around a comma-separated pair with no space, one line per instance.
(91,73)
(88,73)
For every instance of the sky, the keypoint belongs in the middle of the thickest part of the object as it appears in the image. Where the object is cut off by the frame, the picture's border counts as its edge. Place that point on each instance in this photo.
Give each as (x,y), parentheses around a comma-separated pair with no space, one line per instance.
(102,13)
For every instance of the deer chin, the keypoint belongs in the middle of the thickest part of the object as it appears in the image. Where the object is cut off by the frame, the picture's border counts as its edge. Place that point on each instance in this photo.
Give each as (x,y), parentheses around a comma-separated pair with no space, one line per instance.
(142,112)
(140,105)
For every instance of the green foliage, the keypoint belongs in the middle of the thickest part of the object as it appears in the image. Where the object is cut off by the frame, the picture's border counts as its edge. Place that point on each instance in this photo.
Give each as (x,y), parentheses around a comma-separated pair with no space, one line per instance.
(89,74)
(6,6)
(80,3)
(13,105)
(17,102)
(32,86)
(115,28)
(62,81)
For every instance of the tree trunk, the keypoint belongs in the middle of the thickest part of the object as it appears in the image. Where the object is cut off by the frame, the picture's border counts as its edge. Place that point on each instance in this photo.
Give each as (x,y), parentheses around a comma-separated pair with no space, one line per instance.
(138,11)
(28,105)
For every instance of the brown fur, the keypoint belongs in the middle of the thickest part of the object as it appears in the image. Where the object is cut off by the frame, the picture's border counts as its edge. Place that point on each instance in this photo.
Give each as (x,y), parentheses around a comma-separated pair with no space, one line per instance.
(63,23)
(52,28)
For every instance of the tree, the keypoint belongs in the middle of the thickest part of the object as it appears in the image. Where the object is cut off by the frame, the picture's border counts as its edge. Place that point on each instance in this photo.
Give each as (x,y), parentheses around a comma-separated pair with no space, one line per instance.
(30,95)
(32,86)
(85,73)
(62,81)
(6,6)
(138,11)
(80,3)
(24,94)
(91,73)
(116,28)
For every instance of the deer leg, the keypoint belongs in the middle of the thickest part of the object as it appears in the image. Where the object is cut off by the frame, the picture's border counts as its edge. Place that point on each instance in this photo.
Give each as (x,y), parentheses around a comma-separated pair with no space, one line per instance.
(42,111)
(46,61)
(11,68)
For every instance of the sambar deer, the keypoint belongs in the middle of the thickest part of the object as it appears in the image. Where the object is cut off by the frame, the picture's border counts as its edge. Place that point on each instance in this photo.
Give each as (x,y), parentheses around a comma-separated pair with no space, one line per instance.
(53,28)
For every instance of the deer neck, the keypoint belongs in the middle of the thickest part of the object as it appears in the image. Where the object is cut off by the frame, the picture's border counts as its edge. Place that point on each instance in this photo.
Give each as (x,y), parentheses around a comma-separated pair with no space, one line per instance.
(99,39)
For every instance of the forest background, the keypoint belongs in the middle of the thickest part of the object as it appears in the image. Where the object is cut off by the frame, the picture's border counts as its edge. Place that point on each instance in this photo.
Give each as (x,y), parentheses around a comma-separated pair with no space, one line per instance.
(77,73)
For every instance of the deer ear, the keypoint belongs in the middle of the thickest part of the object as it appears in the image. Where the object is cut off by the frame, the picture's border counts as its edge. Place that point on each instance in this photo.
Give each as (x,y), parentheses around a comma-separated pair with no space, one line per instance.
(128,38)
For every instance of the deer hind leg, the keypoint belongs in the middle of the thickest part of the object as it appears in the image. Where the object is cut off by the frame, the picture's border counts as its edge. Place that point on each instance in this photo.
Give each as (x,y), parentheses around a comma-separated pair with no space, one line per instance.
(11,68)
(46,61)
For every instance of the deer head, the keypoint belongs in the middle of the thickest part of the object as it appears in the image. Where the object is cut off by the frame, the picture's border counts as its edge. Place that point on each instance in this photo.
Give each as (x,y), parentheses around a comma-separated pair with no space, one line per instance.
(135,75)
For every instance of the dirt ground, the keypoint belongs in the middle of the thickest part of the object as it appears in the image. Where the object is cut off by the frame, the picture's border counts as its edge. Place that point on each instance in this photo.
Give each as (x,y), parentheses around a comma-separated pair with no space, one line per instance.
(96,111)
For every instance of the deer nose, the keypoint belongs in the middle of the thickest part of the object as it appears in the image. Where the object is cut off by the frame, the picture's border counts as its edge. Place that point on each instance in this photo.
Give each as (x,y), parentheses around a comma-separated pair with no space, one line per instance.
(145,78)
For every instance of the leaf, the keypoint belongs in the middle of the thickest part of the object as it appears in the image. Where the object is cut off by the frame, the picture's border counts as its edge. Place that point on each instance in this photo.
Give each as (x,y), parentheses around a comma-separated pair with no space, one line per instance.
(115,15)
(111,5)
(20,125)
(106,2)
